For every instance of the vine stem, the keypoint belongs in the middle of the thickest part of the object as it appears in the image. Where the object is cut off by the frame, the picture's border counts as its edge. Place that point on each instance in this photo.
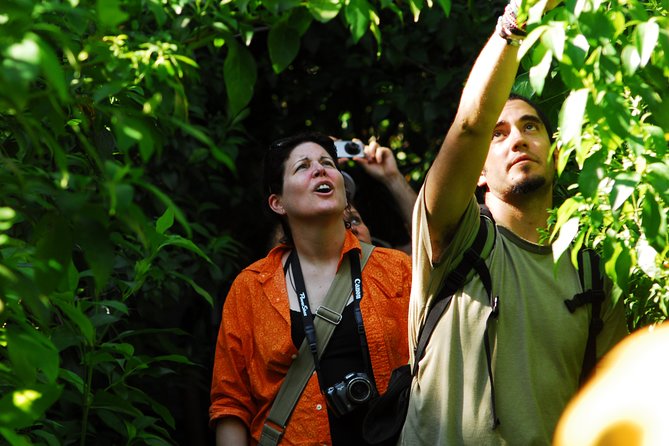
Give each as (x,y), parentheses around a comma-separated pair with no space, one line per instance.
(86,404)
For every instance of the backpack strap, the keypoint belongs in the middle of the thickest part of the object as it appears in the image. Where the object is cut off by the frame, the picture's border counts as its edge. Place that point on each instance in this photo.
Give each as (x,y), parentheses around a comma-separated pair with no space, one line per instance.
(592,283)
(456,279)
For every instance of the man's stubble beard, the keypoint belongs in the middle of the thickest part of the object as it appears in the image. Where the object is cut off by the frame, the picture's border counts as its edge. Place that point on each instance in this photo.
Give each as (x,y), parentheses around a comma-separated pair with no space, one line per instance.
(528,185)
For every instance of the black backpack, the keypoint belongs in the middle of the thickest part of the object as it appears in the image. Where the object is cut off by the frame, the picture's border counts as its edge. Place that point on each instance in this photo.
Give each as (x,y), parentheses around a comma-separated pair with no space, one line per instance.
(386,415)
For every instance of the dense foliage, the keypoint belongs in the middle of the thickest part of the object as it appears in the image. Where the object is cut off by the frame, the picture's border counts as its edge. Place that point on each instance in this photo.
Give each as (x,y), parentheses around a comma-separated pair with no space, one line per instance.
(130,140)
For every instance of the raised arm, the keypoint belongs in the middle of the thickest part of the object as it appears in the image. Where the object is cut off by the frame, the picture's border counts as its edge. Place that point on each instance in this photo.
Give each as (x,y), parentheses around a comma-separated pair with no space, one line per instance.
(379,163)
(452,179)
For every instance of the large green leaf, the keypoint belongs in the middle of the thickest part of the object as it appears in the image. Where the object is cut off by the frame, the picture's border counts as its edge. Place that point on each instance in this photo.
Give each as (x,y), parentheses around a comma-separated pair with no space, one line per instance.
(239,73)
(284,43)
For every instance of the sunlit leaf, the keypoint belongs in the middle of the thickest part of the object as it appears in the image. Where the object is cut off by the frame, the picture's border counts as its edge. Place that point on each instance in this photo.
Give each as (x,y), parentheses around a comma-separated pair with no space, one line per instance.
(623,187)
(631,59)
(571,116)
(647,34)
(21,407)
(357,17)
(539,72)
(324,10)
(567,233)
(554,39)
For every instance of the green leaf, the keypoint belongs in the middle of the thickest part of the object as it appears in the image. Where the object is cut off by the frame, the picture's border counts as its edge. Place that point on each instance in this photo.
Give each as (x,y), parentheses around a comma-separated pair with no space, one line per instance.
(646,259)
(167,201)
(72,378)
(284,44)
(130,131)
(30,351)
(623,187)
(324,10)
(165,221)
(20,408)
(300,19)
(416,6)
(52,69)
(567,233)
(631,59)
(539,72)
(176,240)
(647,34)
(198,289)
(592,174)
(13,438)
(554,39)
(622,267)
(571,116)
(98,251)
(75,314)
(357,17)
(446,6)
(239,74)
(110,13)
(53,253)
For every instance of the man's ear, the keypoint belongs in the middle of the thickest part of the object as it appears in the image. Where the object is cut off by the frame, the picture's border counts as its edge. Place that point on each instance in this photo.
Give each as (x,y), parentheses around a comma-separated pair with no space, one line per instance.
(275,204)
(483,182)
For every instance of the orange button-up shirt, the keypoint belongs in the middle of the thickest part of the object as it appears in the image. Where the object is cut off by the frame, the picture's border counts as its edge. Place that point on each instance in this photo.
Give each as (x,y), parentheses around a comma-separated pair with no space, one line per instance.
(254,348)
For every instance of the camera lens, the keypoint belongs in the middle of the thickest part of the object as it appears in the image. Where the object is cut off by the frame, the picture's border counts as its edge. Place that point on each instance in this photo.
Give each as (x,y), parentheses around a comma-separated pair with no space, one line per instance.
(352,148)
(359,390)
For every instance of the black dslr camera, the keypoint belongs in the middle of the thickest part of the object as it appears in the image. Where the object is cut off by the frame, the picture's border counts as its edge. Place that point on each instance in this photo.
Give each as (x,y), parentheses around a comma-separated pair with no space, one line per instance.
(354,390)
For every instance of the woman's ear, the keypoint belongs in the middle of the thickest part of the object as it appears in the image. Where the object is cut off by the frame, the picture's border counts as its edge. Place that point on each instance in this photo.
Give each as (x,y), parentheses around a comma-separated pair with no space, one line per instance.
(275,205)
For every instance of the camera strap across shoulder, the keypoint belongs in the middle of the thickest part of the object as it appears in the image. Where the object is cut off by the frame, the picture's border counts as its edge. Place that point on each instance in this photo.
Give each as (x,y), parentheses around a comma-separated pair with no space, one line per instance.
(328,316)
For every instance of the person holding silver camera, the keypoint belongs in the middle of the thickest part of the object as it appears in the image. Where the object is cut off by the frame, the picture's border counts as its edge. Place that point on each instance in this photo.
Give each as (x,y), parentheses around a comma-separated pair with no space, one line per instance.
(380,164)
(274,306)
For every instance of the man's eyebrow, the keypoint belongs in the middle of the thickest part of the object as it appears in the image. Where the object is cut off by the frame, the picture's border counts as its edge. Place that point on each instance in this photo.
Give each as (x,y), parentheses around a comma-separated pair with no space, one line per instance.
(531,118)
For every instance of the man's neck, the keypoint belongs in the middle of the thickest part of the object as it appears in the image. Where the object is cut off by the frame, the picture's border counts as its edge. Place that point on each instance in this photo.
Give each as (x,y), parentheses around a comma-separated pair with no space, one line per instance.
(523,217)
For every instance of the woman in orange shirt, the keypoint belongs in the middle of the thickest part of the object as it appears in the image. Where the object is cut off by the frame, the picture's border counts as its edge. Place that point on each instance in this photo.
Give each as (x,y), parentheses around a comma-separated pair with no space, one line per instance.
(262,327)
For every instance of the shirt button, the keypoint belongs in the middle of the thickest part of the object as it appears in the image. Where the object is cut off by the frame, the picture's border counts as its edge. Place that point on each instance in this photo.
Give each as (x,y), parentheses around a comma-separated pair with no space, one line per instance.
(319,406)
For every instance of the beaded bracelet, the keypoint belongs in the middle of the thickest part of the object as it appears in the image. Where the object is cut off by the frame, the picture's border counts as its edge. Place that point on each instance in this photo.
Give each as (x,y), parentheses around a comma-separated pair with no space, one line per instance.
(508,28)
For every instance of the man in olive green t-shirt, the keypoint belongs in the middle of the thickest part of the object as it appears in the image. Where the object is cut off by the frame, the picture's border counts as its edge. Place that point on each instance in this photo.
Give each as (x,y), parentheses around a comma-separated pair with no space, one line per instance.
(502,145)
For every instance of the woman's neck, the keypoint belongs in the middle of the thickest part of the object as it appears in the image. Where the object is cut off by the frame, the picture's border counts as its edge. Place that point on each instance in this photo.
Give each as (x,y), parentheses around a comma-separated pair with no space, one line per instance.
(320,243)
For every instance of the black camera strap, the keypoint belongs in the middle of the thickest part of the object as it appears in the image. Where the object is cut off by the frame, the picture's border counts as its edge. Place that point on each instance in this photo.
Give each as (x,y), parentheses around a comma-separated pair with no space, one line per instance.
(308,318)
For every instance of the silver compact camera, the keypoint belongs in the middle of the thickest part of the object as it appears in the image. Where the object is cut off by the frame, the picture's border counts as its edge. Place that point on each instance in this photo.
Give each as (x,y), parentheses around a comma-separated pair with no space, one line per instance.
(354,390)
(349,149)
